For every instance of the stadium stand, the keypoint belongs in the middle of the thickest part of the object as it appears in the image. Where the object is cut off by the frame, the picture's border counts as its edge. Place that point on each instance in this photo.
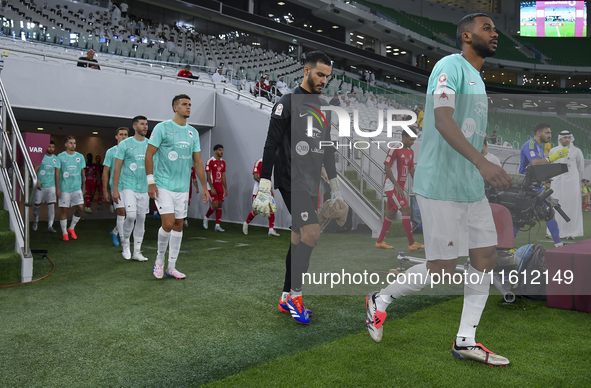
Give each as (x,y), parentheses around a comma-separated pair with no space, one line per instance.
(562,52)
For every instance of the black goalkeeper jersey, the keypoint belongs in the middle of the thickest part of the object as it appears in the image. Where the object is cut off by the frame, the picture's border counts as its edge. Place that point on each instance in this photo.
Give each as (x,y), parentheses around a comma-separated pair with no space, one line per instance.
(296,156)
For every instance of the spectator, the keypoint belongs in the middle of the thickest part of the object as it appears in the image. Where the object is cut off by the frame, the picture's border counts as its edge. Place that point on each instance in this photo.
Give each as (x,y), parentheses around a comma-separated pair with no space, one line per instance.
(335,100)
(261,89)
(371,102)
(4,7)
(282,86)
(89,58)
(217,77)
(115,14)
(170,45)
(490,157)
(420,116)
(492,139)
(267,81)
(186,73)
(566,187)
(124,7)
(372,79)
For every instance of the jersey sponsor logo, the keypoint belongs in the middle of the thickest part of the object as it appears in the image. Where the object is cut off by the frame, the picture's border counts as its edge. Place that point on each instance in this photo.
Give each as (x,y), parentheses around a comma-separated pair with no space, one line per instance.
(140,157)
(133,166)
(152,135)
(302,148)
(532,153)
(304,216)
(442,78)
(471,83)
(183,145)
(469,127)
(278,110)
(388,159)
(173,133)
(66,174)
(481,109)
(311,131)
(172,155)
(303,114)
(42,172)
(132,148)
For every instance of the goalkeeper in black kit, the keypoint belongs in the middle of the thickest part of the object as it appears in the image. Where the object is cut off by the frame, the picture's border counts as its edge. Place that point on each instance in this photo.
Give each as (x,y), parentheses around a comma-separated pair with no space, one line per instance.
(294,150)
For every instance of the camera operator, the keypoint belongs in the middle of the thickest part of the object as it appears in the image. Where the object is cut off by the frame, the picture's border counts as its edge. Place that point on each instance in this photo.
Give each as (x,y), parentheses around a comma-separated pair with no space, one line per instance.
(532,152)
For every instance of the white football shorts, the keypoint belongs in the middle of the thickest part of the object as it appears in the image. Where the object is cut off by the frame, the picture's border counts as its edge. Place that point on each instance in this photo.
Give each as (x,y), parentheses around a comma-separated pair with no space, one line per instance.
(451,229)
(173,202)
(46,194)
(135,202)
(74,198)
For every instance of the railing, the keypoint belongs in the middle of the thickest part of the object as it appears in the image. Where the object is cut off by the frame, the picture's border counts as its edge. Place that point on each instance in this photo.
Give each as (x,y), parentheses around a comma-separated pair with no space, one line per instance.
(14,181)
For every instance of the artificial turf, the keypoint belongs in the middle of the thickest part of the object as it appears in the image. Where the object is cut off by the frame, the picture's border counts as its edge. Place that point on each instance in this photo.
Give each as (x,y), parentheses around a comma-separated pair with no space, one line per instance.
(100,320)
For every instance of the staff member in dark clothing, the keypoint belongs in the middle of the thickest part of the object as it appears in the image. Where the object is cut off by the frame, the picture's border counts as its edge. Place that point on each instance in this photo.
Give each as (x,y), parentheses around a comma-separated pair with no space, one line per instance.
(298,157)
(90,58)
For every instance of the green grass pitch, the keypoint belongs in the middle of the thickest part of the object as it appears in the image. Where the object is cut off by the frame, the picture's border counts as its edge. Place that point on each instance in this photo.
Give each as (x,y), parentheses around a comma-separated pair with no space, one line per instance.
(567,30)
(100,320)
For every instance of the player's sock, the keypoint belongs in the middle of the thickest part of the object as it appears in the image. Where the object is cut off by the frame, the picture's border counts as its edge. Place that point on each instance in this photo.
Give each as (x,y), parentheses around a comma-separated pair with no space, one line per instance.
(64,226)
(50,215)
(100,200)
(209,212)
(271,220)
(553,228)
(250,217)
(120,228)
(218,215)
(138,232)
(385,228)
(128,225)
(163,240)
(411,284)
(284,296)
(475,296)
(408,229)
(87,200)
(116,230)
(74,222)
(299,265)
(175,247)
(295,294)
(36,210)
(287,281)
(383,301)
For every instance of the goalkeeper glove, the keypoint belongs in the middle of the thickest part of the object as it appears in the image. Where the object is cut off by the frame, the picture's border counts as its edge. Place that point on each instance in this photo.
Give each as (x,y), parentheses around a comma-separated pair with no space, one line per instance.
(563,153)
(335,191)
(264,203)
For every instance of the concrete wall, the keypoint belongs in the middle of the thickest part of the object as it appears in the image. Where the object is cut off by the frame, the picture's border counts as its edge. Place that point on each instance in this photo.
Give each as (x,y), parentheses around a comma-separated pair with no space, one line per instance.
(62,87)
(242,130)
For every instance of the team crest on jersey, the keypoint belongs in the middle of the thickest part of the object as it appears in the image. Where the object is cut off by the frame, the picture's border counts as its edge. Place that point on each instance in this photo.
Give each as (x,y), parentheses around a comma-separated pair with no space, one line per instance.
(54,161)
(77,160)
(304,216)
(191,133)
(42,172)
(279,110)
(442,81)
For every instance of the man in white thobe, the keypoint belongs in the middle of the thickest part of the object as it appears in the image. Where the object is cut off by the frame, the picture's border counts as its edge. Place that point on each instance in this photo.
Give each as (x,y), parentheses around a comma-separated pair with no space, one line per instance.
(567,188)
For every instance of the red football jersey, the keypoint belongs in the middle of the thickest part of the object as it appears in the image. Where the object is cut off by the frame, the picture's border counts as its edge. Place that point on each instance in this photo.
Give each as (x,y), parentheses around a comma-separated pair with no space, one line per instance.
(90,171)
(217,168)
(401,160)
(258,166)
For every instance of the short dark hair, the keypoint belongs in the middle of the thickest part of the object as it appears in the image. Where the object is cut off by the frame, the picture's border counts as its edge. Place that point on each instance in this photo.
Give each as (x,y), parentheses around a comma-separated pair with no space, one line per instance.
(540,126)
(51,142)
(313,57)
(217,147)
(136,120)
(179,97)
(465,25)
(494,132)
(187,67)
(406,134)
(121,129)
(69,138)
